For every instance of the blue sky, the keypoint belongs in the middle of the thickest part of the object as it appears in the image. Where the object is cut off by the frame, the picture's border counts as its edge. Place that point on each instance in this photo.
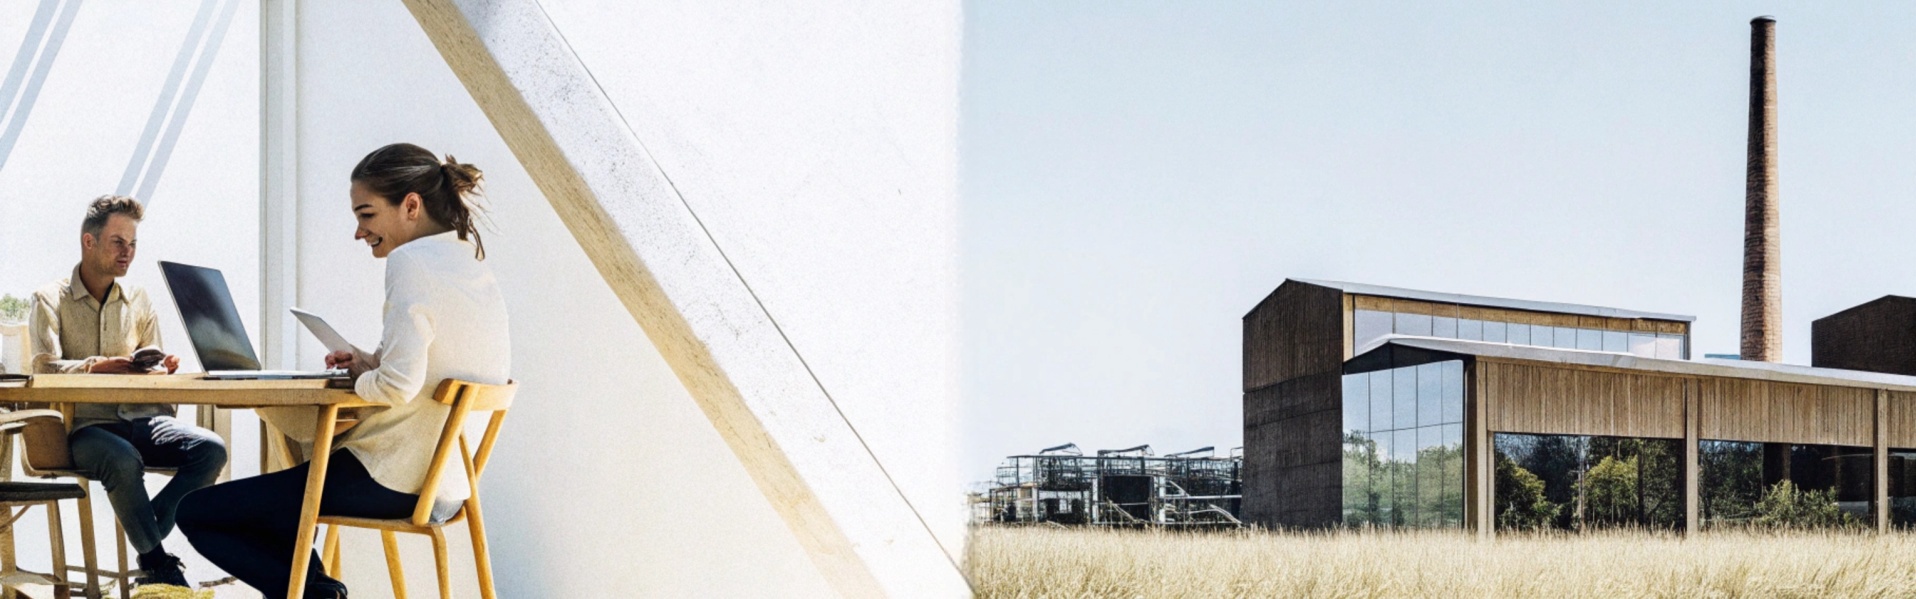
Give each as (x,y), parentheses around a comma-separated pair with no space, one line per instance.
(1137,175)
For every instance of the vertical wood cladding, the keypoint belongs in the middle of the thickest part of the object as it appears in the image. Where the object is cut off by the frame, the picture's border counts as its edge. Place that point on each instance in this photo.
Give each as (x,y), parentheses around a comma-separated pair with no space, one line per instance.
(1297,331)
(1879,336)
(1772,412)
(1901,419)
(1293,447)
(1527,398)
(1294,350)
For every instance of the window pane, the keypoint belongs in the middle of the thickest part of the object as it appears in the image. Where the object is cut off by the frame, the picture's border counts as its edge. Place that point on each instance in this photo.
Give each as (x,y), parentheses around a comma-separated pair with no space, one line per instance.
(1443,326)
(1519,334)
(1566,337)
(1404,450)
(1643,344)
(1367,326)
(1590,339)
(1453,475)
(1430,393)
(1616,341)
(1495,331)
(1404,398)
(1382,484)
(1470,329)
(1356,402)
(1380,400)
(1430,476)
(1413,324)
(1670,347)
(1453,375)
(1356,479)
(1541,336)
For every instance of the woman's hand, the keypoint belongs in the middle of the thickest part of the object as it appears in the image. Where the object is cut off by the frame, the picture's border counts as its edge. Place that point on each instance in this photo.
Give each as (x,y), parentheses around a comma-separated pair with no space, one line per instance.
(347,360)
(339,359)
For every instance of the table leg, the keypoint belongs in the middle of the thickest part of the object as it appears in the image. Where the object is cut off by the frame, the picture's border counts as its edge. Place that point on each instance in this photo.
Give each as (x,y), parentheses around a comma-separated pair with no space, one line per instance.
(309,509)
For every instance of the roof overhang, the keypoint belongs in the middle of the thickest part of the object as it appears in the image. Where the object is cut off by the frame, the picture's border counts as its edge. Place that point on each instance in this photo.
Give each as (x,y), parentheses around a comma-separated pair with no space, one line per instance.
(1492,302)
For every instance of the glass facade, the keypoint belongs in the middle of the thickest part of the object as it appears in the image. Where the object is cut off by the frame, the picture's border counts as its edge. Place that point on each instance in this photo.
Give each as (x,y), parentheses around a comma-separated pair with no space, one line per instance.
(1369,325)
(1576,482)
(1403,446)
(1902,488)
(1740,483)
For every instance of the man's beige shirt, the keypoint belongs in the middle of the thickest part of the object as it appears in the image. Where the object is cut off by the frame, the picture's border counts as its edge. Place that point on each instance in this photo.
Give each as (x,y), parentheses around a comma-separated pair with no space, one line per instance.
(71,331)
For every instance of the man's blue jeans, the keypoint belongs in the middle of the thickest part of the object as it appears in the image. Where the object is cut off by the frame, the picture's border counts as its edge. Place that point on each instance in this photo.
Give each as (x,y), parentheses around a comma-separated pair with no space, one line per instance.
(118,453)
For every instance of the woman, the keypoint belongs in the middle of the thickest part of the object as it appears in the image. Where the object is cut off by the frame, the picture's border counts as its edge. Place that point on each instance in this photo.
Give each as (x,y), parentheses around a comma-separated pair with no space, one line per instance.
(444,318)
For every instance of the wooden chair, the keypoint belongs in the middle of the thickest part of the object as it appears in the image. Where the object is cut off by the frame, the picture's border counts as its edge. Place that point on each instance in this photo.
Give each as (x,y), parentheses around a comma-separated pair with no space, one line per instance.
(25,495)
(465,398)
(49,456)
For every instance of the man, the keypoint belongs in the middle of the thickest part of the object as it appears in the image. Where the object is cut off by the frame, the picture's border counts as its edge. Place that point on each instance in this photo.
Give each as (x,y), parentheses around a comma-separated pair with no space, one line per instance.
(90,323)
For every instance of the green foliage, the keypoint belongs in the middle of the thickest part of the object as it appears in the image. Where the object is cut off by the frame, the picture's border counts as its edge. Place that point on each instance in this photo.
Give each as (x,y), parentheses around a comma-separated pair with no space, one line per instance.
(1784,505)
(1520,498)
(1609,493)
(1360,458)
(1731,479)
(13,309)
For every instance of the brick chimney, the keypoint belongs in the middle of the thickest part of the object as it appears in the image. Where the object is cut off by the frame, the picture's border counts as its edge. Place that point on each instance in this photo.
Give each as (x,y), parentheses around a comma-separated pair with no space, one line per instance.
(1762,252)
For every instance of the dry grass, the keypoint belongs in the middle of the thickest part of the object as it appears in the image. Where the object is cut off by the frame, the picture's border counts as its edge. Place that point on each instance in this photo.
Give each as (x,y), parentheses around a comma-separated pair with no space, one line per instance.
(1052,562)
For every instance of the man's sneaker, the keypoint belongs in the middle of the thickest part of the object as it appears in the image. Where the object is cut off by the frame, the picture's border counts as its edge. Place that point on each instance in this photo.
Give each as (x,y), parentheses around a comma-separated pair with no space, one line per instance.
(160,567)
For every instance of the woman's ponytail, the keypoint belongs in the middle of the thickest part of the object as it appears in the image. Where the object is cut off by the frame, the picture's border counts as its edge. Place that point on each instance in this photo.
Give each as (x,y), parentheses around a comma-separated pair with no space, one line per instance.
(449,188)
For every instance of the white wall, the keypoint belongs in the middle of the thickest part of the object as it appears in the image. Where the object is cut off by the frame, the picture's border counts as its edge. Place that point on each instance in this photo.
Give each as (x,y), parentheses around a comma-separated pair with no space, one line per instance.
(818,144)
(819,153)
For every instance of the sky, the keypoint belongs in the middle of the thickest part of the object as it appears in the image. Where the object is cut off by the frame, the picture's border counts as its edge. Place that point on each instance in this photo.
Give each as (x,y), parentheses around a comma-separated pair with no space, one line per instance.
(1136,176)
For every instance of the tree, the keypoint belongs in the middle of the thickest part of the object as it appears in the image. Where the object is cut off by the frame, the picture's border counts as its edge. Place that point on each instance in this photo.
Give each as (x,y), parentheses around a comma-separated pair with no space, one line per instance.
(13,309)
(1732,479)
(1520,499)
(1609,492)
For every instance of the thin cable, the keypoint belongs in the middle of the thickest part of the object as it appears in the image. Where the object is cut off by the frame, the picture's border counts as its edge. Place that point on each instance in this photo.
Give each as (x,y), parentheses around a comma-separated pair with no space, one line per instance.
(761,305)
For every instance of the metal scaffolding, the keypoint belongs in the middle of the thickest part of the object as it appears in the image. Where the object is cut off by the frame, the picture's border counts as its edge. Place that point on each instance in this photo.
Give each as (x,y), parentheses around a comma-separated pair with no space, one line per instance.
(1115,487)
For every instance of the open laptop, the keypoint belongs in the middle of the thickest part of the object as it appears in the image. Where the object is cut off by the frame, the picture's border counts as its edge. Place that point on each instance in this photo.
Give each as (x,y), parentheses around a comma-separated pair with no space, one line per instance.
(206,306)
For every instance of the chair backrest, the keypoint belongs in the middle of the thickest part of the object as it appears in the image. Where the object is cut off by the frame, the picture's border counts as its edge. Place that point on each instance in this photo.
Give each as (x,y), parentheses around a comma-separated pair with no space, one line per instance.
(465,398)
(44,442)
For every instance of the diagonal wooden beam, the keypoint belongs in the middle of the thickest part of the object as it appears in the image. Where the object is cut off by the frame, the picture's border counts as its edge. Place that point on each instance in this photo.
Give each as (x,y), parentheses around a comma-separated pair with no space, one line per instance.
(860,531)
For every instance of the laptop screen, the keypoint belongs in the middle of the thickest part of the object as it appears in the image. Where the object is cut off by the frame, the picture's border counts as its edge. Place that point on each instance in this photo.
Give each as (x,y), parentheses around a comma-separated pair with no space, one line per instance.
(206,306)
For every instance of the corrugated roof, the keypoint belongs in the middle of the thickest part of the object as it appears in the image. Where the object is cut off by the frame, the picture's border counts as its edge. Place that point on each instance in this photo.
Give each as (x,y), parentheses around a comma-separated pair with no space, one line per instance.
(1768,371)
(1492,302)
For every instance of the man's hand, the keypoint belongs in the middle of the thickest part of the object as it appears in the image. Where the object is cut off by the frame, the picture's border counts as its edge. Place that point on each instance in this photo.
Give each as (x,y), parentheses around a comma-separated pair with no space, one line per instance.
(167,430)
(113,366)
(172,363)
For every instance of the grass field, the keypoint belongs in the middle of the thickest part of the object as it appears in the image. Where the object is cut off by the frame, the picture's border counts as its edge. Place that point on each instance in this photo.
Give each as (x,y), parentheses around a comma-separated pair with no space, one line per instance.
(1054,562)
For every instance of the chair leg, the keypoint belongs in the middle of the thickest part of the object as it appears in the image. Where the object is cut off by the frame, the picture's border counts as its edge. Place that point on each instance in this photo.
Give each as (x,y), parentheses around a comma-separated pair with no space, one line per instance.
(89,554)
(439,559)
(331,552)
(119,549)
(481,556)
(392,563)
(60,589)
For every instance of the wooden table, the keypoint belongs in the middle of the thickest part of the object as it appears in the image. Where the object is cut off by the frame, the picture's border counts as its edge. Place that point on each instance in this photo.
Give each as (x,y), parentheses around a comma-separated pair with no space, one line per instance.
(192,389)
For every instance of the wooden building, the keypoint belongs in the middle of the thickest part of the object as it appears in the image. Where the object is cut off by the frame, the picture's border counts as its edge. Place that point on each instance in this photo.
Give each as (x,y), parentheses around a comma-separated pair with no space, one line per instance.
(1879,336)
(1319,355)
